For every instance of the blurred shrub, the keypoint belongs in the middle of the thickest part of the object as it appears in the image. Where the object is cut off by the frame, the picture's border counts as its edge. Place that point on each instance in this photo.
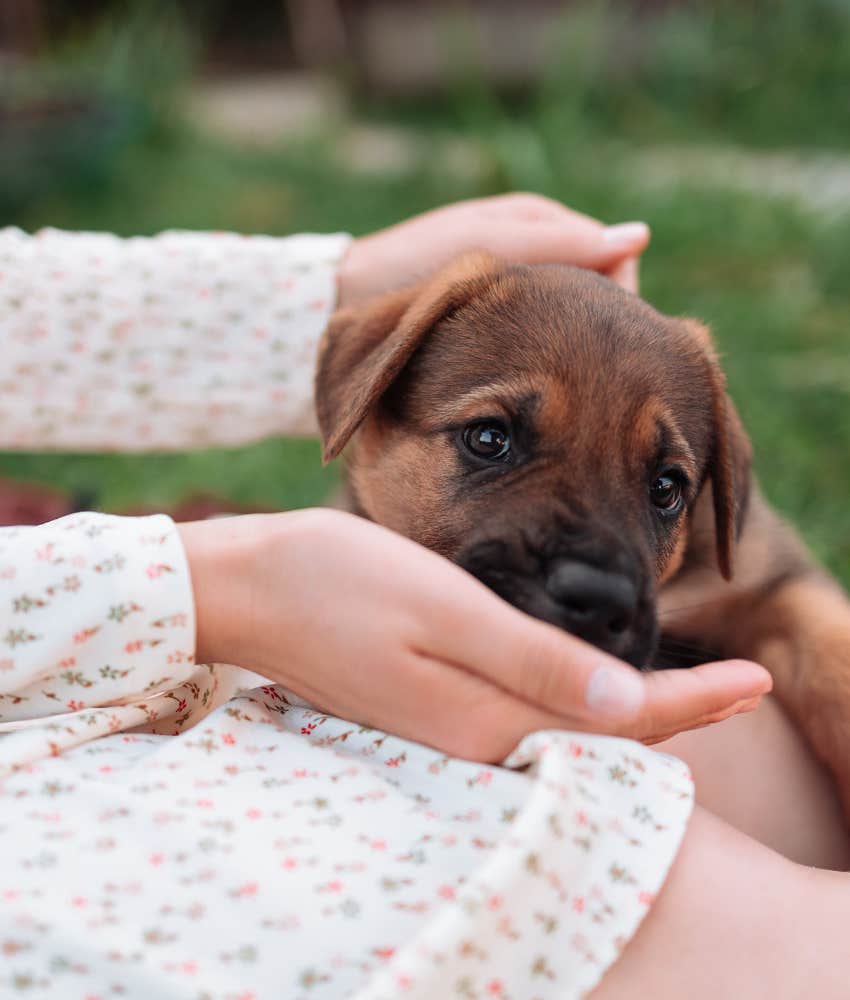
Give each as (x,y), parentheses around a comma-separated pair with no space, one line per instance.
(758,72)
(65,116)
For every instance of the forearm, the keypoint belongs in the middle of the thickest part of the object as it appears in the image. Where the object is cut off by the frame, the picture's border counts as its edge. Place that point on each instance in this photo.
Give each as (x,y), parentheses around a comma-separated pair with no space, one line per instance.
(736,919)
(175,341)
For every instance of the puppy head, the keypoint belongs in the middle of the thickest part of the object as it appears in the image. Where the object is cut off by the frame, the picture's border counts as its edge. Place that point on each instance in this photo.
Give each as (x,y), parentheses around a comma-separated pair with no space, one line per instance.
(544,429)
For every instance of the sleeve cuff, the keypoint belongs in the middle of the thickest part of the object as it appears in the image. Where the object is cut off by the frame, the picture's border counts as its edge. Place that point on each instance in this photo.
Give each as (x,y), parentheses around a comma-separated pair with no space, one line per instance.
(98,610)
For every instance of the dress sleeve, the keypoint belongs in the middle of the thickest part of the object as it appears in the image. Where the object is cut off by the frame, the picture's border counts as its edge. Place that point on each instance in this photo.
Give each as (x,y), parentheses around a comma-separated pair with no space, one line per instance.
(94,610)
(177,341)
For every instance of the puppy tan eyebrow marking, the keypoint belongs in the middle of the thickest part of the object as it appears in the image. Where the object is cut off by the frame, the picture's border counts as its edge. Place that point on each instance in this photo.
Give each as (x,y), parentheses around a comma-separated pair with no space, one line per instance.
(670,445)
(507,397)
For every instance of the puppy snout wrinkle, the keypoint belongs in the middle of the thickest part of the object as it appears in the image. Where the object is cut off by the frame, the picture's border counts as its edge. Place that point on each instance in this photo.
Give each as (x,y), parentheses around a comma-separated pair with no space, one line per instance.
(596,604)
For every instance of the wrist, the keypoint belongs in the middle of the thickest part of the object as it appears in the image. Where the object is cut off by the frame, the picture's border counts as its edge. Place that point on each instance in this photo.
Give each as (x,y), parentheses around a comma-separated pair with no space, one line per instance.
(356,274)
(220,554)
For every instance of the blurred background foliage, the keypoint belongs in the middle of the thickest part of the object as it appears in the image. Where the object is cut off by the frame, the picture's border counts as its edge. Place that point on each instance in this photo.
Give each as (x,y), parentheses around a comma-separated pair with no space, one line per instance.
(726,125)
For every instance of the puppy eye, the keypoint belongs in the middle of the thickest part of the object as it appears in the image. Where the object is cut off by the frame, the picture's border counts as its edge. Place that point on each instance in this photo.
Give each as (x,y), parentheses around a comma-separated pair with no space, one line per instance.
(666,492)
(488,439)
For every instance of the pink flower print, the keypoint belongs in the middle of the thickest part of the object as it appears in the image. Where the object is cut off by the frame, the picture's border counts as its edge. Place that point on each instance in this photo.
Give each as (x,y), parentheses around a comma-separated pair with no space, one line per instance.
(120,330)
(288,864)
(495,988)
(494,902)
(156,860)
(75,706)
(229,739)
(446,892)
(378,845)
(6,666)
(646,898)
(384,953)
(156,570)
(578,904)
(254,813)
(85,634)
(576,749)
(247,890)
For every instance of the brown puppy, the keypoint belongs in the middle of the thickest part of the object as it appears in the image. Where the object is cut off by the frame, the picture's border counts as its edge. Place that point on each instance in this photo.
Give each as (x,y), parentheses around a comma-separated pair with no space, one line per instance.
(577,451)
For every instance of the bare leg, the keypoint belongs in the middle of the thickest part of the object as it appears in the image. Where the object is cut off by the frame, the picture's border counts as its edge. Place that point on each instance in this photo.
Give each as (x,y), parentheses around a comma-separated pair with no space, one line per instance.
(734,919)
(757,772)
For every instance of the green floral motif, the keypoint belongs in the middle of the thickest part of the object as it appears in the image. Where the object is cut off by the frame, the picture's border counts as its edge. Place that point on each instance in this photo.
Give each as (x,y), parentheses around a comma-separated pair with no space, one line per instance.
(18,636)
(310,978)
(76,677)
(26,603)
(118,612)
(111,565)
(109,673)
(619,873)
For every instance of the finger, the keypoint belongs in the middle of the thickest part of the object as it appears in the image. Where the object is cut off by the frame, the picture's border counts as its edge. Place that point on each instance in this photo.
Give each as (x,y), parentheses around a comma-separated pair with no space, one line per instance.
(574,239)
(545,667)
(677,700)
(739,708)
(461,714)
(625,273)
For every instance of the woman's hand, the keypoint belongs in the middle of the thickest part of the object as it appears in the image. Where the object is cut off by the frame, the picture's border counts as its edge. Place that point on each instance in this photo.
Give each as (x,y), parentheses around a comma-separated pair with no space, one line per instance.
(518,227)
(370,626)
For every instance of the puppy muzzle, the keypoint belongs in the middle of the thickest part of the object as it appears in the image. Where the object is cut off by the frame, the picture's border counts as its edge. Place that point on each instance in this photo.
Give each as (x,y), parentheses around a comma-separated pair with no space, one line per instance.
(601,595)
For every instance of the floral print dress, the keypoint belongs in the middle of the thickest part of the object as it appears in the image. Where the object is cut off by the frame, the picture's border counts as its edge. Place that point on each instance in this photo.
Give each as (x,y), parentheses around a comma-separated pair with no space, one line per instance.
(171,829)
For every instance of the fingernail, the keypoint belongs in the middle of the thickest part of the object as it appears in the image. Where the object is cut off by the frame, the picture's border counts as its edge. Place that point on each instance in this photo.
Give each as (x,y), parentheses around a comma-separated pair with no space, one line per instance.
(613,692)
(626,234)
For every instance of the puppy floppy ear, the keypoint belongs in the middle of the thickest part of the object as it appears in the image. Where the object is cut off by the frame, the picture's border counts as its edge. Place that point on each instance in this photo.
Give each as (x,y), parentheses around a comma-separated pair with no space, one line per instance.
(365,347)
(730,461)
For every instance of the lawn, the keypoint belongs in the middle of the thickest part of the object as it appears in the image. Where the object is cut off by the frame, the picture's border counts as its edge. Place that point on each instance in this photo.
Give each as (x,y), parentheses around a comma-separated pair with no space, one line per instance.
(771,276)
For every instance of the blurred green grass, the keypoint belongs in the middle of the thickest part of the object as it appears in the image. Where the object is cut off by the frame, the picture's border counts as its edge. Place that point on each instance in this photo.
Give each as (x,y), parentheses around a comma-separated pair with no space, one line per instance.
(772,278)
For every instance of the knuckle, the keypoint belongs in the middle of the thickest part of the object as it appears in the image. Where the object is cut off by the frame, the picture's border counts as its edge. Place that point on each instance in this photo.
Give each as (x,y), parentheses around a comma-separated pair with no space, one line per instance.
(529,202)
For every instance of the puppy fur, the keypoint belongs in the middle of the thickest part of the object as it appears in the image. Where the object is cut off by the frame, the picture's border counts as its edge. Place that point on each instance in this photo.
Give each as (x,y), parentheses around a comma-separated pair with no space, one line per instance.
(604,402)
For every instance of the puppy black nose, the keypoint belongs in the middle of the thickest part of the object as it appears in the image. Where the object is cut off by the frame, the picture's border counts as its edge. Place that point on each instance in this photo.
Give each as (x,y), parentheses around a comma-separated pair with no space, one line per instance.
(595,605)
